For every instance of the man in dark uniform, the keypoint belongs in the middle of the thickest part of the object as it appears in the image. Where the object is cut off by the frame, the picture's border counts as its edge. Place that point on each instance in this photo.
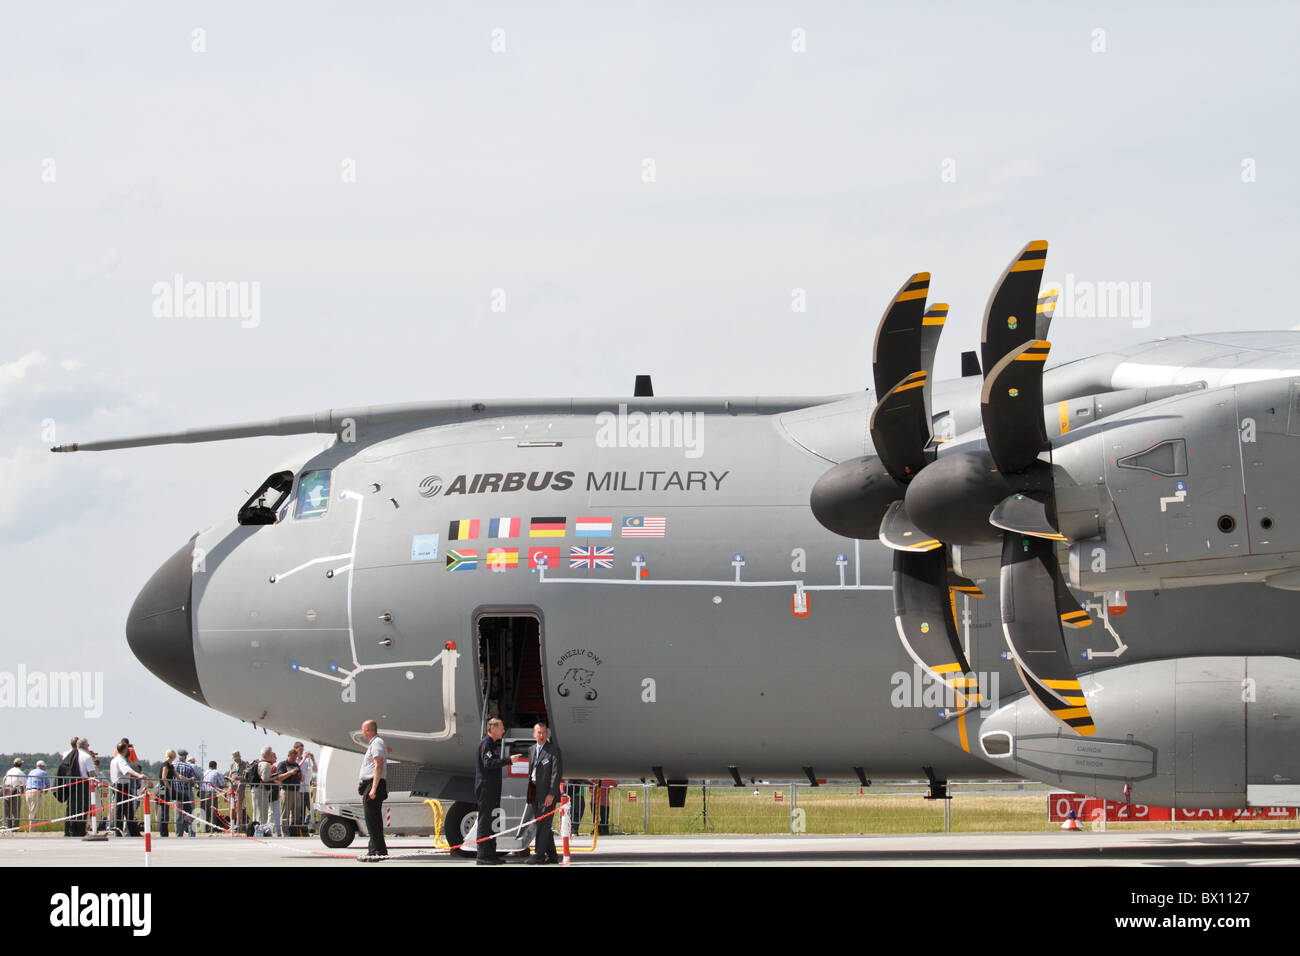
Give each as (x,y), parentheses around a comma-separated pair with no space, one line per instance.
(487,788)
(545,769)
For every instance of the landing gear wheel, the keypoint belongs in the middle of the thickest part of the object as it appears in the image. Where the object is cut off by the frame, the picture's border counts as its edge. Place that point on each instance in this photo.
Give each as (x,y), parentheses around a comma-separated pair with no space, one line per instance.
(336,832)
(460,826)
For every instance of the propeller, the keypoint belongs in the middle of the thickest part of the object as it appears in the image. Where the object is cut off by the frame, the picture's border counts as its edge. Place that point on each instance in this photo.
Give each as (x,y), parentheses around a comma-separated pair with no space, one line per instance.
(865,496)
(919,502)
(1012,485)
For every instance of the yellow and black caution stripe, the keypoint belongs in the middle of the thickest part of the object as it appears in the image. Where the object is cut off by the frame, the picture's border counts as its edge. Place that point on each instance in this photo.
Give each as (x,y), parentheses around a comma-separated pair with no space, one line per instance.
(1072,711)
(1079,618)
(917,287)
(915,380)
(967,685)
(1071,692)
(1032,258)
(1036,352)
(1068,608)
(937,314)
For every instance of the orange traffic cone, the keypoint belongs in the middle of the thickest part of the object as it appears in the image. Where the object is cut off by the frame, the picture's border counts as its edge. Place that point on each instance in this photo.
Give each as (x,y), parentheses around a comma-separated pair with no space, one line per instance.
(1071,822)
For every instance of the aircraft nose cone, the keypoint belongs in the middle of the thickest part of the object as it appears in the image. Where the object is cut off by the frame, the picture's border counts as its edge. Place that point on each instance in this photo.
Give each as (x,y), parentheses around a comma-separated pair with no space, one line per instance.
(159,629)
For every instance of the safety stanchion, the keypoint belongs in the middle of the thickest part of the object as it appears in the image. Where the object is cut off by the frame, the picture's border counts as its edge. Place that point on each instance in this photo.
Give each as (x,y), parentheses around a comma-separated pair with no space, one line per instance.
(94,833)
(148,830)
(566,828)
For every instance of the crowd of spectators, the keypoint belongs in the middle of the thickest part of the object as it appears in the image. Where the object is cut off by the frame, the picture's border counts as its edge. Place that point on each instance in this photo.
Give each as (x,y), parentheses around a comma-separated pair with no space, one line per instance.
(264,796)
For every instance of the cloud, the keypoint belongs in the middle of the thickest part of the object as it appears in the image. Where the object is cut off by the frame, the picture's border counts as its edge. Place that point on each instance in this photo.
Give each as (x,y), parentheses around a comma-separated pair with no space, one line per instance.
(98,266)
(1017,171)
(13,374)
(45,403)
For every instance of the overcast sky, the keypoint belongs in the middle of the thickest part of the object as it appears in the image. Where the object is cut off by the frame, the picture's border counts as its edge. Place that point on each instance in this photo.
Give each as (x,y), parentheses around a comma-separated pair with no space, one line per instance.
(641,187)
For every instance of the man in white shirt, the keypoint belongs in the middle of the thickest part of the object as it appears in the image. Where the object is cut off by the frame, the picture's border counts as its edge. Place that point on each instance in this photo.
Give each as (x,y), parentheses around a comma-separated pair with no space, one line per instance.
(124,779)
(15,783)
(214,781)
(373,790)
(258,788)
(86,765)
(307,766)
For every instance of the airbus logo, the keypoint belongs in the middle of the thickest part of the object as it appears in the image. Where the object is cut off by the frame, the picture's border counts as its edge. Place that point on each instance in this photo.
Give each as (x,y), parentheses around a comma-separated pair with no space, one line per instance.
(636,481)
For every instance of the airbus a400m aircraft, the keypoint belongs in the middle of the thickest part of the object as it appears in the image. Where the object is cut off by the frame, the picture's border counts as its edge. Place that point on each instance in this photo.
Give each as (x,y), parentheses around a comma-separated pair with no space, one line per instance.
(1083,574)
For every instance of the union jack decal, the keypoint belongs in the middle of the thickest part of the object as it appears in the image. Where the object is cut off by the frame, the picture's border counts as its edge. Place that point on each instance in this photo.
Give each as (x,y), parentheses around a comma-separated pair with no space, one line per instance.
(591,557)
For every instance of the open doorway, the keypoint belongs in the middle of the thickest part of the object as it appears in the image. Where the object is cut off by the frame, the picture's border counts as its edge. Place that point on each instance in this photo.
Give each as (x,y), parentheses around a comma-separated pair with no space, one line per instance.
(511,683)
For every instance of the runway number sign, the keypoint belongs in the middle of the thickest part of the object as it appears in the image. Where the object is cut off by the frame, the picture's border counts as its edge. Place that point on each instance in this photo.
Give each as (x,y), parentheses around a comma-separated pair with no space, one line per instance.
(1086,809)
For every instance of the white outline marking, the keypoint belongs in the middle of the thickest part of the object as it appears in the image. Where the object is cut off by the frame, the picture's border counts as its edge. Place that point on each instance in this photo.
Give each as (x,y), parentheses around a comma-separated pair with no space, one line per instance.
(1180,496)
(280,576)
(447,657)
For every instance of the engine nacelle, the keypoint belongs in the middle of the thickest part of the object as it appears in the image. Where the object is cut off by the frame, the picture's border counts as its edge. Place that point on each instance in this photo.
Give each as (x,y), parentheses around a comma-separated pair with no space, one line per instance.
(1196,489)
(1200,732)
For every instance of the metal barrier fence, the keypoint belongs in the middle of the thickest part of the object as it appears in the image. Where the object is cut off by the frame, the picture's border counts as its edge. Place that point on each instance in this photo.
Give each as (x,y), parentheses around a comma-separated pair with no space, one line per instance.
(840,808)
(75,806)
(843,809)
(785,808)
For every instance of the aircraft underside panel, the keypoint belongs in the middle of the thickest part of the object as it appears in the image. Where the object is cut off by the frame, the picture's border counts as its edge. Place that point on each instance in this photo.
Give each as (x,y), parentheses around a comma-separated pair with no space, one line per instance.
(1202,732)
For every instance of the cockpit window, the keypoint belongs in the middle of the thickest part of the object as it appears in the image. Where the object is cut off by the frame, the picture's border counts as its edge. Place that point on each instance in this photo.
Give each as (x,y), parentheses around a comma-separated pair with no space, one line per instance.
(260,508)
(313,494)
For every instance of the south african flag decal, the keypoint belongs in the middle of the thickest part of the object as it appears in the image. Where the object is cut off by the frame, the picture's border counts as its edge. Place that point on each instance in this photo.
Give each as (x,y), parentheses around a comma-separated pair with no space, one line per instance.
(466,559)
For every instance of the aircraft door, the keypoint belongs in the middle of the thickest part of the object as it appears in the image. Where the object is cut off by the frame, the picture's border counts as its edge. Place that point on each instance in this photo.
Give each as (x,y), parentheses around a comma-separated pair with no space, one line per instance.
(511,673)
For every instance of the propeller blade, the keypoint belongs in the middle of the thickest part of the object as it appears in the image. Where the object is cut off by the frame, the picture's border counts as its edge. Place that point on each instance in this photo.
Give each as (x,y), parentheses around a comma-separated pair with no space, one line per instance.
(1011,406)
(959,584)
(931,328)
(1031,621)
(900,428)
(926,621)
(897,352)
(1027,512)
(1012,310)
(899,534)
(1074,717)
(1046,307)
(1068,608)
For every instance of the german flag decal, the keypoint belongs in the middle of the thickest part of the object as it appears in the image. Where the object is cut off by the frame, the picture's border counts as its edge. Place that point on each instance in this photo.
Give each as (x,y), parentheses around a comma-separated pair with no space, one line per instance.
(547,527)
